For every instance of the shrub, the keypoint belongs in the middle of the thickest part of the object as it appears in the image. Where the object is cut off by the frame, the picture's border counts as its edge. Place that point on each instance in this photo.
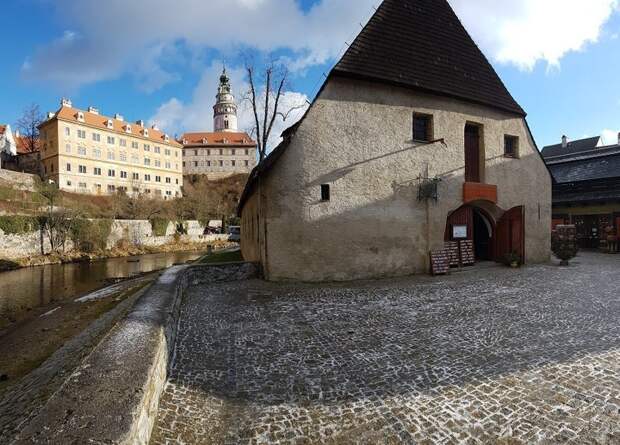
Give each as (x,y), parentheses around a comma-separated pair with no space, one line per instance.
(18,224)
(564,243)
(90,235)
(159,226)
(511,258)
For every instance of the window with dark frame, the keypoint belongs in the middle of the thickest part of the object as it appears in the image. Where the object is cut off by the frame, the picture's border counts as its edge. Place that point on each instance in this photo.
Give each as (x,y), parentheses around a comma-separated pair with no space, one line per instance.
(422,127)
(511,146)
(325,192)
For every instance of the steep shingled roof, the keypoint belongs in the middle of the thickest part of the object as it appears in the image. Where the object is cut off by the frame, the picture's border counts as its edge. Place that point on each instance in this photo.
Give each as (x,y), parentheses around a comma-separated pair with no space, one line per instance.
(578,146)
(422,44)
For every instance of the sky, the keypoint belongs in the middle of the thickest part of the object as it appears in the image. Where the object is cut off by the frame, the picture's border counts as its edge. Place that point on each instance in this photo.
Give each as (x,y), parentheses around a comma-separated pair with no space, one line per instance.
(159,60)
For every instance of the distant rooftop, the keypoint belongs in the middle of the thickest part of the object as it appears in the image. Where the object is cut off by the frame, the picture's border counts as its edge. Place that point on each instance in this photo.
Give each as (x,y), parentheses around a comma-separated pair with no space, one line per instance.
(93,118)
(572,147)
(582,160)
(217,138)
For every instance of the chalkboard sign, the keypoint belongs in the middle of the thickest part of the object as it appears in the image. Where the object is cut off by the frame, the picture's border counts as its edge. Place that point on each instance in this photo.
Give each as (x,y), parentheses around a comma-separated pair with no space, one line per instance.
(440,263)
(452,247)
(467,252)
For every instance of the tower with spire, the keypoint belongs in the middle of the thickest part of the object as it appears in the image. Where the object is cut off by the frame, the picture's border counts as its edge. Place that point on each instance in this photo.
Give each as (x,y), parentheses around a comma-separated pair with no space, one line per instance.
(225,109)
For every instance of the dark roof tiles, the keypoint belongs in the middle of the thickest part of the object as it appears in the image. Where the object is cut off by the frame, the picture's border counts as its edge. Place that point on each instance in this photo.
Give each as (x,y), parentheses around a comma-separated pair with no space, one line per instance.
(587,169)
(573,147)
(422,44)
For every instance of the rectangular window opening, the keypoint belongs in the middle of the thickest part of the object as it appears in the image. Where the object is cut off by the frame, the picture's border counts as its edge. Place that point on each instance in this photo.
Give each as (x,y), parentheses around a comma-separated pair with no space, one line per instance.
(422,127)
(325,192)
(511,146)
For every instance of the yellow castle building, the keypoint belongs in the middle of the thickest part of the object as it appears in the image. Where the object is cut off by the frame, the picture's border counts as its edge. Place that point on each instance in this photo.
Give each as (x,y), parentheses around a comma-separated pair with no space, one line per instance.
(85,152)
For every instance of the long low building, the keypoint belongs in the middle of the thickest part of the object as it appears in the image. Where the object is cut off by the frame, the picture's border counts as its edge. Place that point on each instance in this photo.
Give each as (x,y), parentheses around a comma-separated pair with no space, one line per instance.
(85,152)
(586,190)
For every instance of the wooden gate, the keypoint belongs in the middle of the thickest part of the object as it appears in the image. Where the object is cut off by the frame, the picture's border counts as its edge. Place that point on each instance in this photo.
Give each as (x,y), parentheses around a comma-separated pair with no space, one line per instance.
(511,233)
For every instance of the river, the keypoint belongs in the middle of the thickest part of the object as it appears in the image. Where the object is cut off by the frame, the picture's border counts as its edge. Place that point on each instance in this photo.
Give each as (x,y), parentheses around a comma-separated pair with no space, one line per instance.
(25,289)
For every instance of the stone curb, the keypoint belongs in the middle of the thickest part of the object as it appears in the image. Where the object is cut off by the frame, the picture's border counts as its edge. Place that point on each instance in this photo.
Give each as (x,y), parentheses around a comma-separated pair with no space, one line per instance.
(113,396)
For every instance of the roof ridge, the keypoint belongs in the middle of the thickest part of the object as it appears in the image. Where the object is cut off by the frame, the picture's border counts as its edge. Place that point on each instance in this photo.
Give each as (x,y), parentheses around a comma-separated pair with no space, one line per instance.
(422,44)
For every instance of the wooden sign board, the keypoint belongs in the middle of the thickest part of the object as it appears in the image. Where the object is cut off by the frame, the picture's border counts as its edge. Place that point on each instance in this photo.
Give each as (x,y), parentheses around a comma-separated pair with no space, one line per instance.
(467,252)
(440,263)
(452,247)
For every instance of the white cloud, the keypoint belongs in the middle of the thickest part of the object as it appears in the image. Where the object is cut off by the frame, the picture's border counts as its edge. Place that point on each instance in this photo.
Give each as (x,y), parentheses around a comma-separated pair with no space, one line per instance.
(197,114)
(610,137)
(528,31)
(127,36)
(120,35)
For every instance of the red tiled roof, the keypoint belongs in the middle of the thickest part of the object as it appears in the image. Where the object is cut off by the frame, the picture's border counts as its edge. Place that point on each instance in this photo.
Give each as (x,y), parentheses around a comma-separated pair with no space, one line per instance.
(22,145)
(118,126)
(217,138)
(2,129)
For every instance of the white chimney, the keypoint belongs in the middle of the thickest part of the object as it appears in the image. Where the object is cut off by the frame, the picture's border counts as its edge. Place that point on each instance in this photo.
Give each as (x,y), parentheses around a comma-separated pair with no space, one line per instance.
(64,102)
(119,117)
(155,127)
(93,110)
(140,123)
(564,142)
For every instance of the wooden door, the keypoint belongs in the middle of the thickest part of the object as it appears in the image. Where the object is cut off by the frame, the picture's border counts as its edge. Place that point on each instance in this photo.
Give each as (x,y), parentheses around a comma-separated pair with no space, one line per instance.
(511,233)
(472,153)
(461,217)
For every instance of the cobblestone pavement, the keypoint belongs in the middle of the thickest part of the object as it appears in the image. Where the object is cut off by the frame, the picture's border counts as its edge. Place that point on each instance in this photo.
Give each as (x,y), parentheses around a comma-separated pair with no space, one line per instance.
(487,356)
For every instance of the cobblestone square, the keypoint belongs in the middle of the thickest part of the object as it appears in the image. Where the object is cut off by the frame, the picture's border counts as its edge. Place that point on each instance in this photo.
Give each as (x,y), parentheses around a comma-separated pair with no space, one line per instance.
(491,355)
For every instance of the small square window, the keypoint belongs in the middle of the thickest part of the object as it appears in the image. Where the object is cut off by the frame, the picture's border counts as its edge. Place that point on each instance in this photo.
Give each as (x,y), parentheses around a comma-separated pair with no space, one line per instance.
(422,127)
(325,192)
(511,146)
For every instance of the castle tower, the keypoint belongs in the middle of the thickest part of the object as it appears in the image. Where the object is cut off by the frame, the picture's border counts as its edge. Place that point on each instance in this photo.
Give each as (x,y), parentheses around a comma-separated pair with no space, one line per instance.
(225,109)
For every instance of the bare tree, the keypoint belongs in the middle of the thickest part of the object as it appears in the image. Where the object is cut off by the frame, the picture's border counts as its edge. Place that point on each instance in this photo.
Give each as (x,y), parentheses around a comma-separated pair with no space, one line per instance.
(28,126)
(54,221)
(266,102)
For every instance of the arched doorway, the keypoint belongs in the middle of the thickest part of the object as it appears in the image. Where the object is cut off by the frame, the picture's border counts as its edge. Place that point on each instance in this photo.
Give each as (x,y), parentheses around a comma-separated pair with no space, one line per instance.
(494,232)
(475,223)
(483,236)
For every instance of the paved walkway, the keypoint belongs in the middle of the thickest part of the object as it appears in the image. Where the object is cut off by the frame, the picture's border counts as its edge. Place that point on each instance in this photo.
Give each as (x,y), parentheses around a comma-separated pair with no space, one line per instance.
(487,356)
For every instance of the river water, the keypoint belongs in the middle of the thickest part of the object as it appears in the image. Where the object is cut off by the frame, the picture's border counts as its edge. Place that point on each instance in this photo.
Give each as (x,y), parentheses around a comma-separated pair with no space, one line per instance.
(29,288)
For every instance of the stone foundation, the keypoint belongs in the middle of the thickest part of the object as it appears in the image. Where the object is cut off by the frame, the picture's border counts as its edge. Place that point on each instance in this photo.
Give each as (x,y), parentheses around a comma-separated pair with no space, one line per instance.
(136,232)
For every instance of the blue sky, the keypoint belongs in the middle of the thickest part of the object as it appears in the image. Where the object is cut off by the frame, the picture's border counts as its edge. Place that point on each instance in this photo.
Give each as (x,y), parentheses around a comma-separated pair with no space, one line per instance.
(150,59)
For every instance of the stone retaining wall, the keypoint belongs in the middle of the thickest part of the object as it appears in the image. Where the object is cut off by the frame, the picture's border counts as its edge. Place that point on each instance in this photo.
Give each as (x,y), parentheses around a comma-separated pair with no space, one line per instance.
(21,181)
(136,232)
(113,396)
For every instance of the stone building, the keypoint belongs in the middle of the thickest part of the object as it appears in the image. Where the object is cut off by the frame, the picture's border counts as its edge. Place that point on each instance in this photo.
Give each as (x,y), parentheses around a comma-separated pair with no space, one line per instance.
(412,141)
(85,152)
(225,151)
(586,191)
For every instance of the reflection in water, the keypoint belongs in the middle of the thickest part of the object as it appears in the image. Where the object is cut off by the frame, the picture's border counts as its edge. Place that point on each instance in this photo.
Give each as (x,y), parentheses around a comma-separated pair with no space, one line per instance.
(32,287)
